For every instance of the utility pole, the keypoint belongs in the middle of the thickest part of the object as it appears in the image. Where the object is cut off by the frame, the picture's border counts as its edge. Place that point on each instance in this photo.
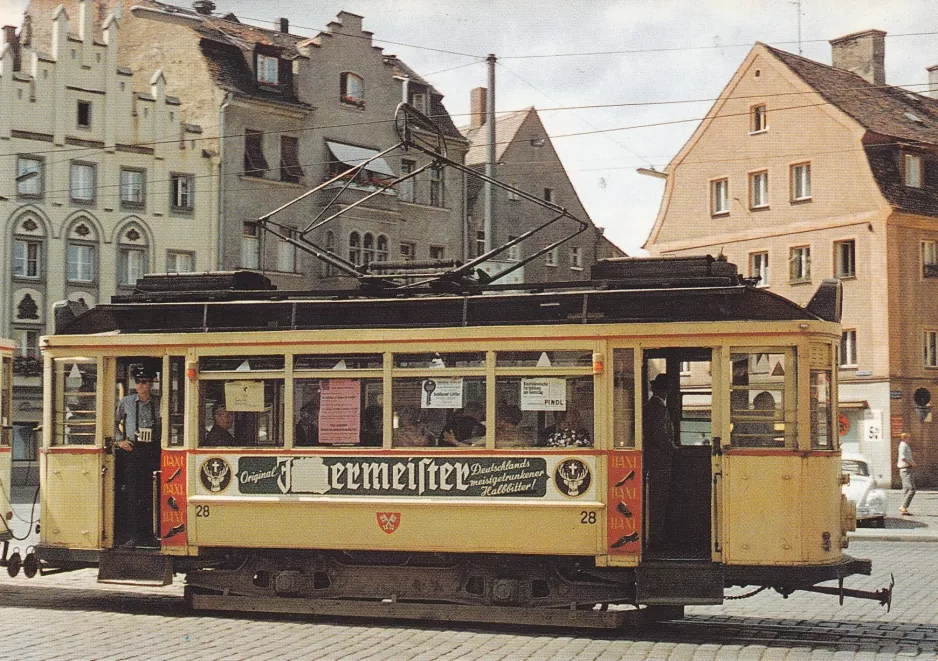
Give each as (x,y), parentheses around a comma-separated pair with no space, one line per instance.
(797,4)
(490,161)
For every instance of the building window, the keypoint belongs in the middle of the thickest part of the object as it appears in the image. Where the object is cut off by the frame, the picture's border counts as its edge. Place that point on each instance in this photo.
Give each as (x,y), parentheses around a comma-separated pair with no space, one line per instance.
(719,196)
(286,253)
(290,168)
(576,257)
(437,253)
(355,248)
(759,268)
(436,186)
(848,349)
(913,170)
(250,246)
(80,262)
(799,264)
(549,195)
(758,119)
(514,252)
(368,248)
(419,101)
(550,257)
(931,348)
(179,262)
(381,248)
(255,165)
(27,342)
(480,243)
(352,89)
(759,190)
(929,260)
(132,188)
(800,182)
(84,114)
(82,182)
(181,192)
(29,176)
(513,194)
(328,270)
(132,265)
(27,258)
(408,251)
(267,68)
(845,259)
(405,189)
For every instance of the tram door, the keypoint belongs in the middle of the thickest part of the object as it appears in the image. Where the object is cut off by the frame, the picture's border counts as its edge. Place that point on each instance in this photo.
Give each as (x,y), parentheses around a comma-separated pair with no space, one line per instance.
(677,442)
(137,432)
(6,440)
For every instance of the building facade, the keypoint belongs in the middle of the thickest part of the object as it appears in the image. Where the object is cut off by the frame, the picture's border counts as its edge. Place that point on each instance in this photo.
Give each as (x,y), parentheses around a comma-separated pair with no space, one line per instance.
(803,171)
(100,182)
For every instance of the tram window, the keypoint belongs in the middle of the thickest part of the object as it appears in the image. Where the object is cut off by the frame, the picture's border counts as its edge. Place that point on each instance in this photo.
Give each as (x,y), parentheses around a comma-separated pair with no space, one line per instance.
(370,361)
(241,364)
(6,412)
(821,410)
(337,412)
(75,396)
(177,388)
(544,411)
(446,411)
(623,392)
(582,358)
(762,400)
(241,413)
(439,360)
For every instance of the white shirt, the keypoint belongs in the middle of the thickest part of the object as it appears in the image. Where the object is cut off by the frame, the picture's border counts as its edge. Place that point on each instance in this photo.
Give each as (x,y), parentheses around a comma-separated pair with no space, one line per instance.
(905,456)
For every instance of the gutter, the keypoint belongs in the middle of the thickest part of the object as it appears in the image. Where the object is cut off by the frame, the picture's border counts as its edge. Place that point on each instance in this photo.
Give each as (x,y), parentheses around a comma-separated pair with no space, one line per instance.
(221,180)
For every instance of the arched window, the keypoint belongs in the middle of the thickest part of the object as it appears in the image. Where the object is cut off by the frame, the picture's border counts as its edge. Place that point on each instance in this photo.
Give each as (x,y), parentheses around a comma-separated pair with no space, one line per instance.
(369,251)
(133,255)
(327,269)
(355,248)
(81,254)
(381,254)
(352,89)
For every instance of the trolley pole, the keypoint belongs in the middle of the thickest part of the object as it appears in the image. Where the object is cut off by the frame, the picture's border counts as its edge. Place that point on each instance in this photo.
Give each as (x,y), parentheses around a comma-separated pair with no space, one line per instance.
(490,161)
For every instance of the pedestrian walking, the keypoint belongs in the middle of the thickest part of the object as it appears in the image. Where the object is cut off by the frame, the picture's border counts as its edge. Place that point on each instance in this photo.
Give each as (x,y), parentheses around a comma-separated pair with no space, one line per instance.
(907,472)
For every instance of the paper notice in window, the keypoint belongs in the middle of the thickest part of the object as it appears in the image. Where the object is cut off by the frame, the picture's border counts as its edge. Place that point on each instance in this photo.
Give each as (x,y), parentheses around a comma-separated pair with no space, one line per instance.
(543,394)
(244,396)
(340,411)
(441,393)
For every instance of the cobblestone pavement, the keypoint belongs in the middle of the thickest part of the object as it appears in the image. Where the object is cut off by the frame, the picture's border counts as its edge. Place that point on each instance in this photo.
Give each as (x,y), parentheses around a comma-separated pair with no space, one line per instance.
(70,616)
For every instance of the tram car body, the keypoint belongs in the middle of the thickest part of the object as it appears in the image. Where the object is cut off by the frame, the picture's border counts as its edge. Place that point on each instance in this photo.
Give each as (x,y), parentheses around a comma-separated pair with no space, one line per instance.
(463,455)
(7,349)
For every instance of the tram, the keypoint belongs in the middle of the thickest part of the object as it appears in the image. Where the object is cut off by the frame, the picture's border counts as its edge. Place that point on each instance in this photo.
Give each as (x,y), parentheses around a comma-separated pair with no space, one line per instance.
(7,348)
(479,455)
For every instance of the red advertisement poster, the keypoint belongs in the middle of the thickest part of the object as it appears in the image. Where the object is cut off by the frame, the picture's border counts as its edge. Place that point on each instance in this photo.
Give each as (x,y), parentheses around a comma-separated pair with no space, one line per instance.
(340,411)
(173,499)
(624,525)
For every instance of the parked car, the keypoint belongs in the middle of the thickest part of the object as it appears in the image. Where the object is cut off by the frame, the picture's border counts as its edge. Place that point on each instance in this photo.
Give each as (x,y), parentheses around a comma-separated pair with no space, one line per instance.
(863,492)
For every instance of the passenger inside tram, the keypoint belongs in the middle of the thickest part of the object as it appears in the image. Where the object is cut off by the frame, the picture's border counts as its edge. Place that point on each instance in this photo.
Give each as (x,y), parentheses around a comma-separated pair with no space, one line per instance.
(408,432)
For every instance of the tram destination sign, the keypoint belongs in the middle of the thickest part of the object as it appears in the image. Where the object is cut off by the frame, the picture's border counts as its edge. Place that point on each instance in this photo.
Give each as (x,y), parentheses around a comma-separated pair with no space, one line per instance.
(392,476)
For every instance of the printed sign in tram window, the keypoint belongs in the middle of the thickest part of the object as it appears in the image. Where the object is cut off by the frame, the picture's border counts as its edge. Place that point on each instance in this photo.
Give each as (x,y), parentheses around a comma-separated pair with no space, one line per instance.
(543,394)
(340,411)
(442,393)
(246,396)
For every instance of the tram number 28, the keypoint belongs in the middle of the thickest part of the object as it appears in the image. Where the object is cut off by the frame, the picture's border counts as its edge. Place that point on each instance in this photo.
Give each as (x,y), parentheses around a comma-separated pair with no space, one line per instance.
(587,517)
(202,511)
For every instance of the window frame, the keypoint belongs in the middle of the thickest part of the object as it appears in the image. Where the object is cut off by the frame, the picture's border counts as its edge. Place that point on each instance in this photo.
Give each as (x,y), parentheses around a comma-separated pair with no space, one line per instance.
(437,248)
(930,349)
(576,258)
(763,190)
(255,163)
(290,169)
(180,253)
(437,197)
(26,259)
(39,178)
(407,190)
(799,264)
(262,71)
(349,97)
(758,119)
(124,264)
(93,169)
(175,178)
(763,267)
(715,186)
(250,239)
(123,187)
(800,183)
(551,258)
(91,263)
(847,354)
(839,272)
(929,258)
(913,177)
(549,195)
(287,252)
(82,104)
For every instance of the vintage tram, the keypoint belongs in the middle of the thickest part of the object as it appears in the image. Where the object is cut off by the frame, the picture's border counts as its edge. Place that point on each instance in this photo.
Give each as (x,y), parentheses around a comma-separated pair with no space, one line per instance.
(7,350)
(475,453)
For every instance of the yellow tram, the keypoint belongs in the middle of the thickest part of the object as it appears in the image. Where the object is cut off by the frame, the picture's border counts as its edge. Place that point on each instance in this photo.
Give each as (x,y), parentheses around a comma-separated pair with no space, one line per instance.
(475,455)
(7,349)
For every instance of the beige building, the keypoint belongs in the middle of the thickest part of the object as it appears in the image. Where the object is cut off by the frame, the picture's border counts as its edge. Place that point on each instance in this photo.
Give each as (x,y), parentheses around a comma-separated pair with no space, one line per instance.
(525,159)
(803,171)
(100,182)
(291,112)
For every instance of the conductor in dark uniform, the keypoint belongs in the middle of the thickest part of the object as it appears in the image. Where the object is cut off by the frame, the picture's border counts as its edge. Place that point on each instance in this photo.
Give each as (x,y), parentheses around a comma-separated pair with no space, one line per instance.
(659,448)
(137,449)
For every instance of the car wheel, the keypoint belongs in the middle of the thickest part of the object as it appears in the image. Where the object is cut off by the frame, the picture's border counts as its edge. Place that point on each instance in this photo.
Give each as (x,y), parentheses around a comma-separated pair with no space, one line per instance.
(880,522)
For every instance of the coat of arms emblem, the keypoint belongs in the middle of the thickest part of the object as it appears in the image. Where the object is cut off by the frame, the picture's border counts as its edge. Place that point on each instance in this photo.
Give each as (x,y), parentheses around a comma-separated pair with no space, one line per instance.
(389,521)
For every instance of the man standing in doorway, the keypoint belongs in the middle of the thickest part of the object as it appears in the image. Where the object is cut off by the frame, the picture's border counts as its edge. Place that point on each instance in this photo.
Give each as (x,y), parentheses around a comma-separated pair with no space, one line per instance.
(658,447)
(137,442)
(907,472)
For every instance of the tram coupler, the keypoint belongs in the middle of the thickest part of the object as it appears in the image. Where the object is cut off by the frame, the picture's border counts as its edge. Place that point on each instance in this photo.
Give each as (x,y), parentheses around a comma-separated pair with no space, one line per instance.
(883,595)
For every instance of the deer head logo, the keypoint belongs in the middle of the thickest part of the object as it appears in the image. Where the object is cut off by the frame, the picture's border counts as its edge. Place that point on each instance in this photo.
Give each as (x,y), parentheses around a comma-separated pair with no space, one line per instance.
(215,474)
(572,477)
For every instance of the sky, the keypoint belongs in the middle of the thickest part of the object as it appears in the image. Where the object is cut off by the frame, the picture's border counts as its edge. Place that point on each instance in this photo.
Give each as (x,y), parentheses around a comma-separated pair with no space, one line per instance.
(619,84)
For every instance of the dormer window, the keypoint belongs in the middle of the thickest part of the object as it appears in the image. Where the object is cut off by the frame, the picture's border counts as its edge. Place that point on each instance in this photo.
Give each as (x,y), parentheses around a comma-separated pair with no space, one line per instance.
(267,69)
(352,89)
(913,170)
(419,100)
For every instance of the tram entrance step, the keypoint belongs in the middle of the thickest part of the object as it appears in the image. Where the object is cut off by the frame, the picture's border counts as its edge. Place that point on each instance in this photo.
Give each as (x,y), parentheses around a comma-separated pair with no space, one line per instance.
(669,582)
(135,568)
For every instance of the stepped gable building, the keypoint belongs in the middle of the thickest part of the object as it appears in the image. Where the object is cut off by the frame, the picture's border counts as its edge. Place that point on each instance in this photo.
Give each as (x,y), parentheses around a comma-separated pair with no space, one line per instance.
(526,159)
(803,171)
(100,182)
(291,112)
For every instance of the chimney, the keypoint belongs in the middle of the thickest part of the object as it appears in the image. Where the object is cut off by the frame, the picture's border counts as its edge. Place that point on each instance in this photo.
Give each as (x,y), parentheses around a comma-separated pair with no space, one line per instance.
(478,102)
(862,53)
(282,24)
(203,7)
(10,37)
(933,81)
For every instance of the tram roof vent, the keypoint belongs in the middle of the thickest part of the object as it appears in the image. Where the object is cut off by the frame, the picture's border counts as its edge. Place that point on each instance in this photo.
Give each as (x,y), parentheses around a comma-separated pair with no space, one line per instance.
(204,282)
(650,272)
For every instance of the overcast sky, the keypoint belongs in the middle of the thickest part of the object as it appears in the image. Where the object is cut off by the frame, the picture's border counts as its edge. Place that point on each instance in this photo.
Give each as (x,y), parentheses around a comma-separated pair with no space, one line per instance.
(606,65)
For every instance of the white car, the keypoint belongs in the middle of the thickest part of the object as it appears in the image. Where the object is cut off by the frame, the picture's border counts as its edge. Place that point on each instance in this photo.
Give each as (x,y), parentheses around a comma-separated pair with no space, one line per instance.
(862,490)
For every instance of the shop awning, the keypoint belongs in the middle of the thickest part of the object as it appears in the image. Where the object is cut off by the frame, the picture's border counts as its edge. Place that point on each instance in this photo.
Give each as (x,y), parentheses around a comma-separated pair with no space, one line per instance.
(352,156)
(853,404)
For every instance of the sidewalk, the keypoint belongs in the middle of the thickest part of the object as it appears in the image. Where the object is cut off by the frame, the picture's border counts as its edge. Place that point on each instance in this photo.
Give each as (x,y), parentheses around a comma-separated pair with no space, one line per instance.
(922,526)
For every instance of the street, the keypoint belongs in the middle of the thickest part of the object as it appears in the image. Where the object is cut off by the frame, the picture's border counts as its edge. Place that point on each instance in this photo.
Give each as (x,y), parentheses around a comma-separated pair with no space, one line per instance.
(70,616)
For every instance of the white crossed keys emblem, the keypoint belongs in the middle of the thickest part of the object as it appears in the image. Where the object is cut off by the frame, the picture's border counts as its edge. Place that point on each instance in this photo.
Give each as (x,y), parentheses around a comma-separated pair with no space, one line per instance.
(389,521)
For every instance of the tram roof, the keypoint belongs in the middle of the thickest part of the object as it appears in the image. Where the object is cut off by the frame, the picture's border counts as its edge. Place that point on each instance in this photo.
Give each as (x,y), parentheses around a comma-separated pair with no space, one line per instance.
(661,292)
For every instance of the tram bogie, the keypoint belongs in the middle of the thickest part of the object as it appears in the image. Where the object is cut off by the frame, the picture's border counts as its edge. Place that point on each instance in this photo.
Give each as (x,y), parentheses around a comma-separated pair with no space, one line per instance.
(442,453)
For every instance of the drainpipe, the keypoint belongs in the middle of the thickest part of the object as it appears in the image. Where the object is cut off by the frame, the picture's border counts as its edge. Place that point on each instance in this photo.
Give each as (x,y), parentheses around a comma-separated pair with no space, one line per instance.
(221,179)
